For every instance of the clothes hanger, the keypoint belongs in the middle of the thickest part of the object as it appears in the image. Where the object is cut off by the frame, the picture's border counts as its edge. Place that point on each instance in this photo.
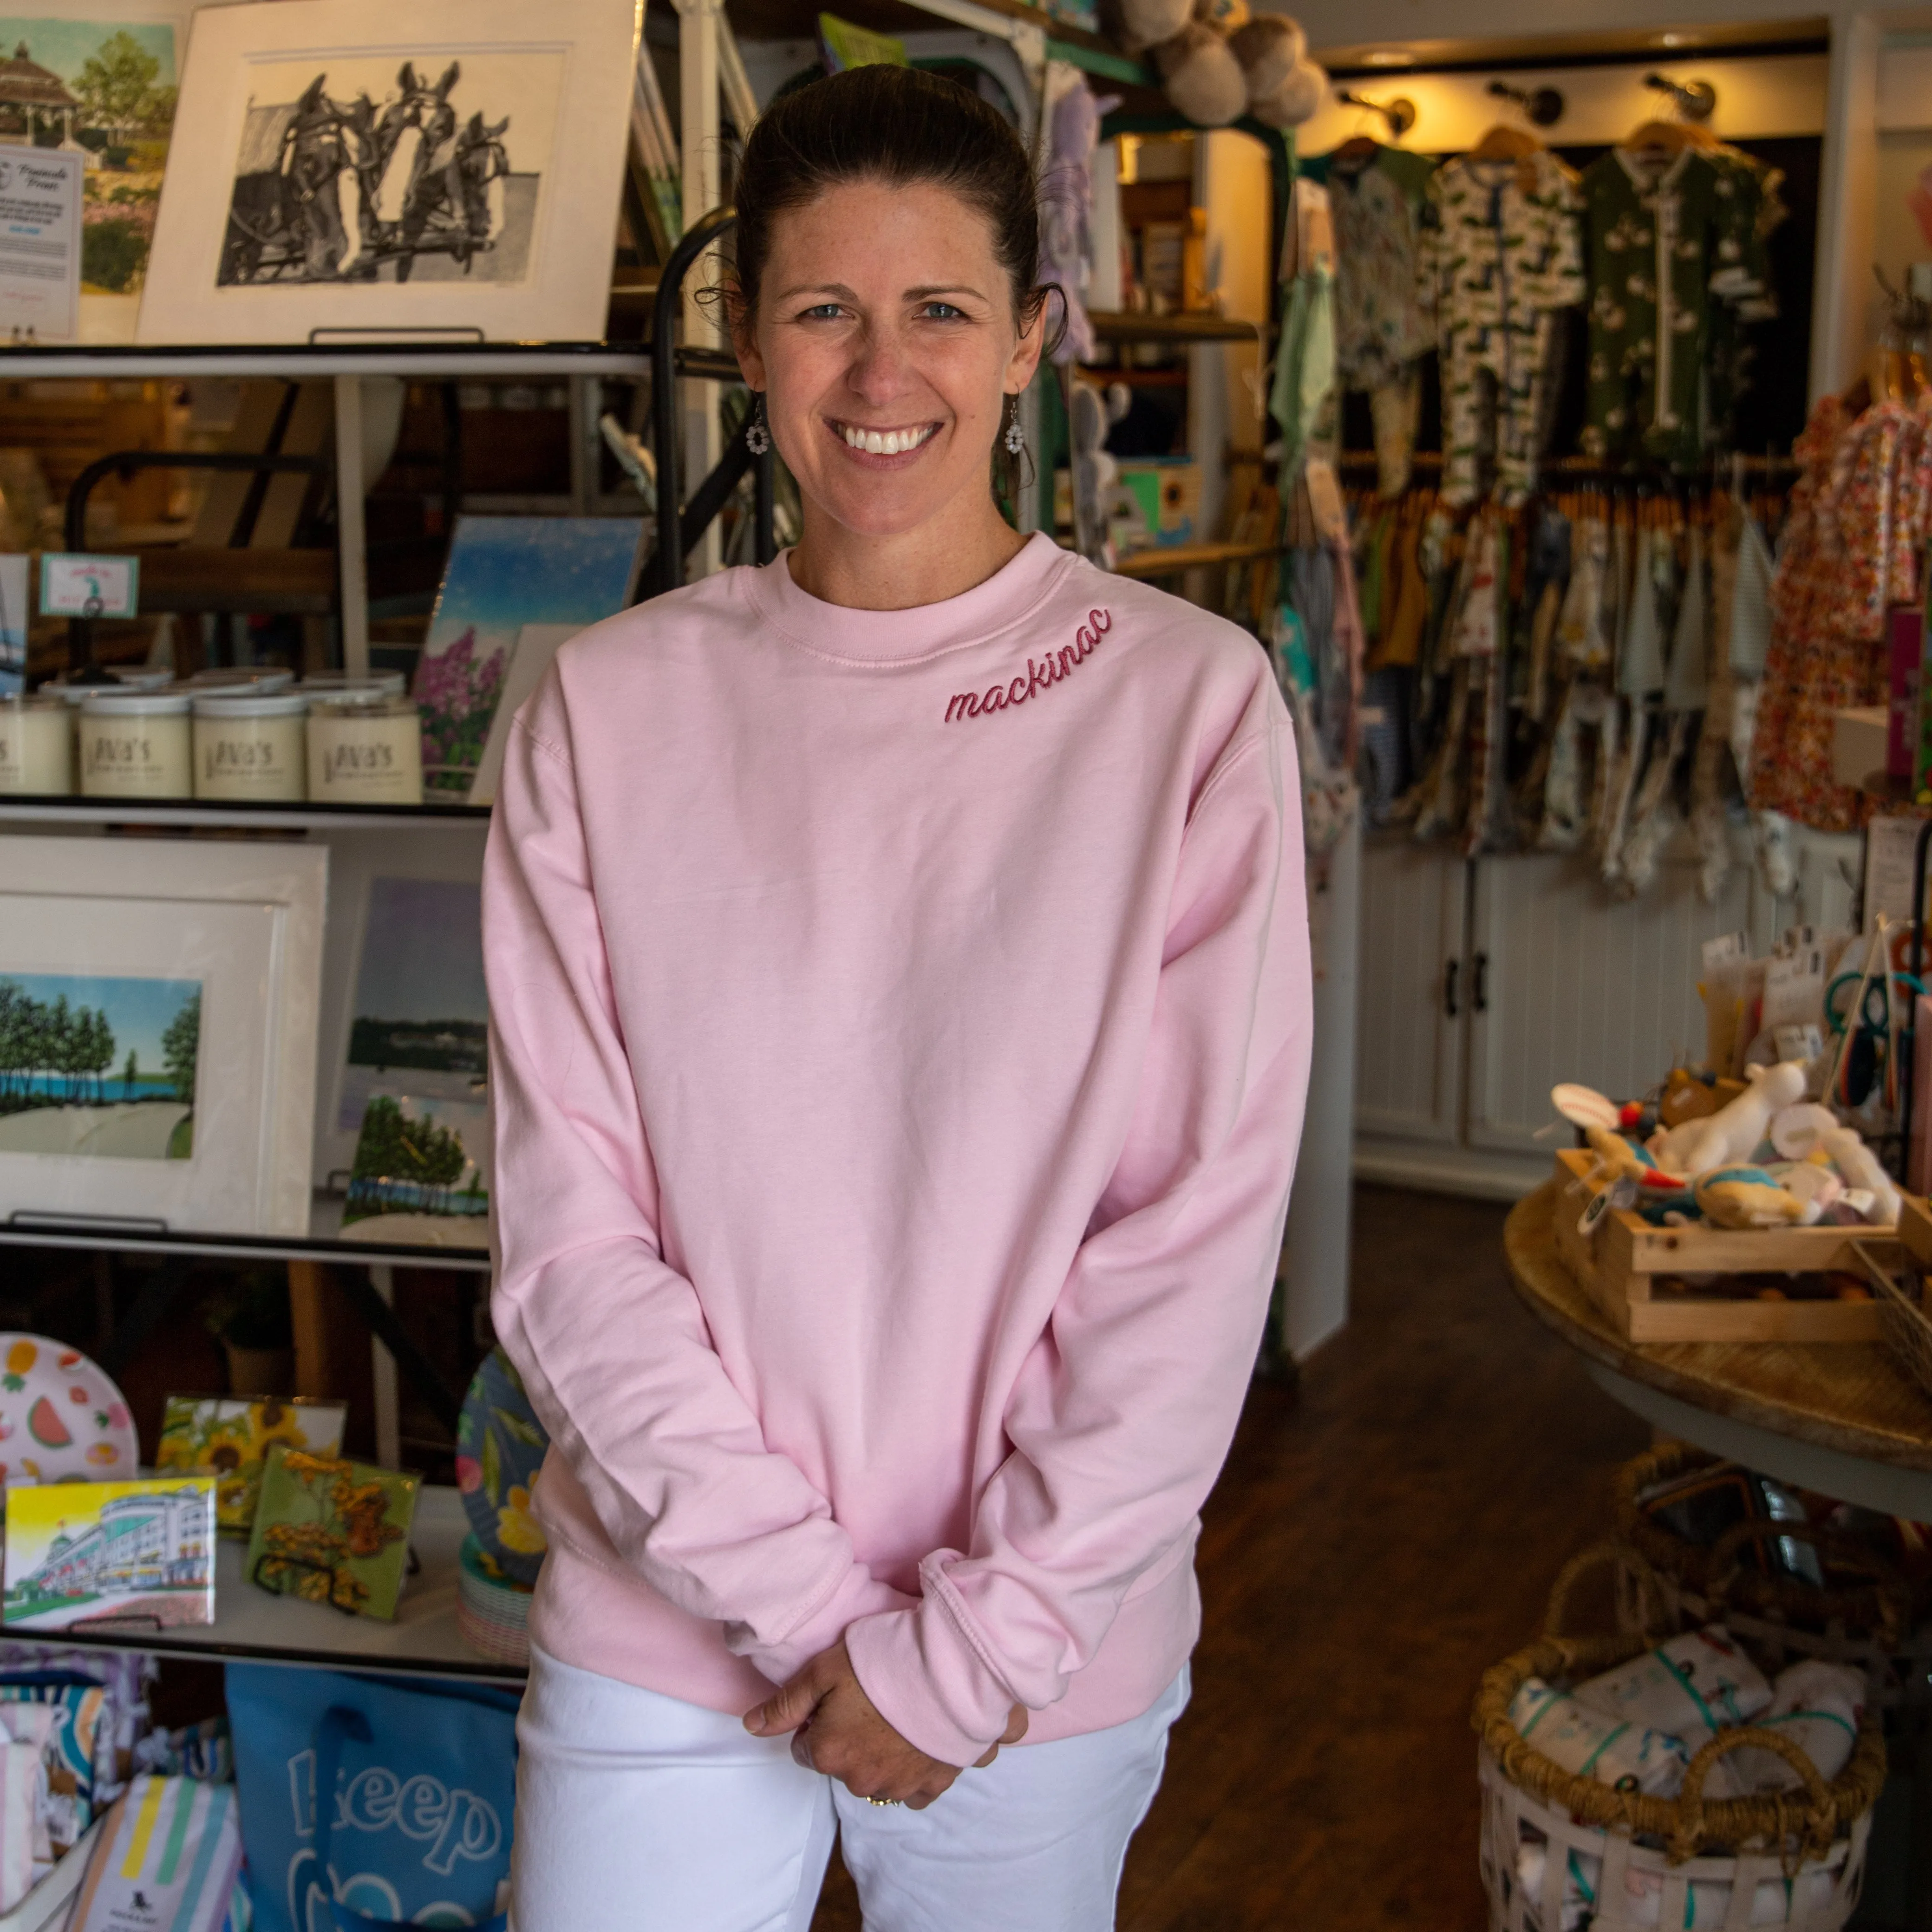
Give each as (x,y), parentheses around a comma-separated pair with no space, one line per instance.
(1670,137)
(1505,143)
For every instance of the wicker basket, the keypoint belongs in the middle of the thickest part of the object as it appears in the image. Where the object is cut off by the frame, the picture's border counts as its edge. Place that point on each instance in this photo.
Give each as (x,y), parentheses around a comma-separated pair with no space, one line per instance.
(1870,1626)
(1807,1847)
(1901,1316)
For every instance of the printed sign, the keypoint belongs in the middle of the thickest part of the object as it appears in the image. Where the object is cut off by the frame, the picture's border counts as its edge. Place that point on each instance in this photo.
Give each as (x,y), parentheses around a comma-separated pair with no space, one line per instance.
(41,190)
(90,586)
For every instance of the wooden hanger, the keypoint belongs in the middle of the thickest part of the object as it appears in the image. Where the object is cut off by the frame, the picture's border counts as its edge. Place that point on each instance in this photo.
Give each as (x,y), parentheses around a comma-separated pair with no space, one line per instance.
(1670,137)
(1505,143)
(1355,153)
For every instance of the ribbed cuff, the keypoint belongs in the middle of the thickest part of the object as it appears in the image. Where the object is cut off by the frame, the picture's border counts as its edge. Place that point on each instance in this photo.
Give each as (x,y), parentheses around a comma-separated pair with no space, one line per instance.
(930,1683)
(860,1594)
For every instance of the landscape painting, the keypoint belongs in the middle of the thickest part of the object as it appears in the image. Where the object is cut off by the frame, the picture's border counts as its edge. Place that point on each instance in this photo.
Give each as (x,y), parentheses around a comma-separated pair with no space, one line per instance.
(372,168)
(505,574)
(102,1067)
(86,1553)
(422,1011)
(106,88)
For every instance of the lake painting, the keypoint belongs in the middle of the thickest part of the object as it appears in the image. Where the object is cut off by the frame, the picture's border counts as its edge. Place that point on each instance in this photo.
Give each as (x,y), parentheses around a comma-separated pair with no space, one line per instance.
(99,1067)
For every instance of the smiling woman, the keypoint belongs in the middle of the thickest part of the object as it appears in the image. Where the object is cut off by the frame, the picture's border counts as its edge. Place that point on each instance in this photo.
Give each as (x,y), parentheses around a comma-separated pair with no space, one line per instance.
(884,306)
(895,1117)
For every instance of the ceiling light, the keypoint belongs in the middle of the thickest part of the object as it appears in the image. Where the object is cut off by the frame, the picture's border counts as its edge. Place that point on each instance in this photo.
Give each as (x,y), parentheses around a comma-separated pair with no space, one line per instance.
(1388,57)
(1674,39)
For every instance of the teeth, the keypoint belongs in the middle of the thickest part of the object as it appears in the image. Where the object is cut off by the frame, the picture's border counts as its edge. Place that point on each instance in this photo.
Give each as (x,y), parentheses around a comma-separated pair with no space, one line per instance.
(883,443)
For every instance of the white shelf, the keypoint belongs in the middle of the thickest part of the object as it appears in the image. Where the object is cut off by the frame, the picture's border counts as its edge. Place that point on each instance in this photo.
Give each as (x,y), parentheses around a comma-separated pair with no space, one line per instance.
(260,818)
(325,1242)
(254,1625)
(478,360)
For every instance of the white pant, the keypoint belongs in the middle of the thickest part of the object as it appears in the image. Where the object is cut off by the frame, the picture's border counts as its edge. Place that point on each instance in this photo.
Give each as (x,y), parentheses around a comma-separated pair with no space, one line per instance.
(639,1812)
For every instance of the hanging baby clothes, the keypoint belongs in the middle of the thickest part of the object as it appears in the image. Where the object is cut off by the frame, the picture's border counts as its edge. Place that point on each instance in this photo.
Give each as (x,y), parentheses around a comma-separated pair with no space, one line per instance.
(1730,351)
(1067,203)
(1669,236)
(1498,255)
(1857,524)
(1304,370)
(1384,316)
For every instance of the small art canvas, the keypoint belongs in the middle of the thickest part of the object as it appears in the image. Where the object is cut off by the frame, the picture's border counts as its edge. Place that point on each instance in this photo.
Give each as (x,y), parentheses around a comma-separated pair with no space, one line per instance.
(103,82)
(332,1532)
(505,573)
(421,1168)
(97,1067)
(13,624)
(229,1438)
(85,1554)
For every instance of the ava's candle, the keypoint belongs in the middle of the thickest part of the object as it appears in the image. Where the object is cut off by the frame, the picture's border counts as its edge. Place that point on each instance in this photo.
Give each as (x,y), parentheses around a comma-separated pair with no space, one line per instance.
(135,745)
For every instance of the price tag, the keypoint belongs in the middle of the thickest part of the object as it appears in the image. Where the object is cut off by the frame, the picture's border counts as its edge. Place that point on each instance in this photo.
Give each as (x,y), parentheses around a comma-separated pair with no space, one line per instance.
(90,586)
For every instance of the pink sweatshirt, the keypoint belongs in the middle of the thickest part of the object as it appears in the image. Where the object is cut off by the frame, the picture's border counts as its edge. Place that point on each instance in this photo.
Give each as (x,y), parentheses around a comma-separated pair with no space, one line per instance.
(901,1029)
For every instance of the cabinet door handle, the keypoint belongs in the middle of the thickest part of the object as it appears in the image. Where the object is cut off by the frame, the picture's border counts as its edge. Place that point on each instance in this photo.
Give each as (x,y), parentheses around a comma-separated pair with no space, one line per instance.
(1449,977)
(1479,984)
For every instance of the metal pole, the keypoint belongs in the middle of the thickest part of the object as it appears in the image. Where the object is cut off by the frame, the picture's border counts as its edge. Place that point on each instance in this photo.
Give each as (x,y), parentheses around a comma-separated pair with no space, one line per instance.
(669,573)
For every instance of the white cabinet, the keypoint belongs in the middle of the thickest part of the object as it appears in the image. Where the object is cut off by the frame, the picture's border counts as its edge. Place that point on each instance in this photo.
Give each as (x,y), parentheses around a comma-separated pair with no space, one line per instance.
(1568,984)
(1408,1065)
(1485,983)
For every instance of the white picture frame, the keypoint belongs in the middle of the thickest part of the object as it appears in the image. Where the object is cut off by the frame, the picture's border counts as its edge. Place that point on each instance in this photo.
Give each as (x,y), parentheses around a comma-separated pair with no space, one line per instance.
(240,924)
(461,167)
(51,30)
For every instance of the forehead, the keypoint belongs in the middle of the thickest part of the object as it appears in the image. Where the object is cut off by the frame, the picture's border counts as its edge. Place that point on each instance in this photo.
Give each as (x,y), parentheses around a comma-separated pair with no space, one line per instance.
(911,233)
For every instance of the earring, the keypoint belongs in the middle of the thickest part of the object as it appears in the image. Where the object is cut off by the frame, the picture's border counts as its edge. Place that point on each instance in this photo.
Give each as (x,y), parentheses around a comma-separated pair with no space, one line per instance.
(1015,436)
(757,437)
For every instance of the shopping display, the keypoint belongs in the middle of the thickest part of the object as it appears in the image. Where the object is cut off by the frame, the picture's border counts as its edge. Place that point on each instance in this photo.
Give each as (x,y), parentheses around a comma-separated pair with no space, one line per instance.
(229,1438)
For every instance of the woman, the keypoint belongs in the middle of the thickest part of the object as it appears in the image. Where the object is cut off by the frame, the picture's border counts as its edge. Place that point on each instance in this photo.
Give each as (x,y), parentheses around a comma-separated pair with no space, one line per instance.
(898,967)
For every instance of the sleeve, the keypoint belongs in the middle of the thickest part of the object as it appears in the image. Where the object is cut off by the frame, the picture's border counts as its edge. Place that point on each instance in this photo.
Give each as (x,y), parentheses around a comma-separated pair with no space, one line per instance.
(1124,1411)
(612,1342)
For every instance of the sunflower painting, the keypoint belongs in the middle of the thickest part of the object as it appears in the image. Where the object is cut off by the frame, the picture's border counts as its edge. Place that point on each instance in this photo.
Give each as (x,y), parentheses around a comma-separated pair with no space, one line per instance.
(230,1439)
(333,1532)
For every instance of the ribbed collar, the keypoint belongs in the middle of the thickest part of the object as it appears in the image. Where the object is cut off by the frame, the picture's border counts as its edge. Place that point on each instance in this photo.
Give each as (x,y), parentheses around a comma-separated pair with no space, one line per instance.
(1006,597)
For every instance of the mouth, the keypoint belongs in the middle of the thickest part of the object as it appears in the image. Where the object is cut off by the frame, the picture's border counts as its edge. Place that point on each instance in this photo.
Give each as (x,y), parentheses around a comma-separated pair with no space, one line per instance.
(878,445)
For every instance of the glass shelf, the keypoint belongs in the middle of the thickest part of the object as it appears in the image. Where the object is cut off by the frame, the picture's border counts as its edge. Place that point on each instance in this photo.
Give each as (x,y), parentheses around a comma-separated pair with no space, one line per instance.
(253,1625)
(74,811)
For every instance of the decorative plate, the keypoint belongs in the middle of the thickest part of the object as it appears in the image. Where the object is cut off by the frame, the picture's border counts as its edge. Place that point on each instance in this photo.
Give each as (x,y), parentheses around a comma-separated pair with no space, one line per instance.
(62,1420)
(500,1445)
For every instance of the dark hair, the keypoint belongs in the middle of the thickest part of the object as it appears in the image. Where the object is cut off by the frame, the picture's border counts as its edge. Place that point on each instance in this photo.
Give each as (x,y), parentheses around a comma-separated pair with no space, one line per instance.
(896,125)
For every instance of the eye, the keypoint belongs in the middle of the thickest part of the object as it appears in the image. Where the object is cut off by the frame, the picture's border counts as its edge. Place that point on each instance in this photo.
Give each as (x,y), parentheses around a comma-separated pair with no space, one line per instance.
(821,312)
(942,311)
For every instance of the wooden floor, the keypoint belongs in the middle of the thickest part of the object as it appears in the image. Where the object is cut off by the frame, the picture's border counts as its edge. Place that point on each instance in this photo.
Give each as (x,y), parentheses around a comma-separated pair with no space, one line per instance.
(1381,1535)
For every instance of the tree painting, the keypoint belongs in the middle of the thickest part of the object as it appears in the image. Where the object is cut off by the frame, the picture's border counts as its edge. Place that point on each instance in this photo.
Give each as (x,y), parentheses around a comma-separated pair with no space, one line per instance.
(72,1051)
(119,85)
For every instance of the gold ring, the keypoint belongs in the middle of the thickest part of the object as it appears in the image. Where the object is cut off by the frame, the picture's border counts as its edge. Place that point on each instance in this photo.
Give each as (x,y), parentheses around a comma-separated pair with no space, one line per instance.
(883,1802)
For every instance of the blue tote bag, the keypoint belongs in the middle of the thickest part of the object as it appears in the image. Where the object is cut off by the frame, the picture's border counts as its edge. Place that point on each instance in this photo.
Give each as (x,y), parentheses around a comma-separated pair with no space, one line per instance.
(369,1803)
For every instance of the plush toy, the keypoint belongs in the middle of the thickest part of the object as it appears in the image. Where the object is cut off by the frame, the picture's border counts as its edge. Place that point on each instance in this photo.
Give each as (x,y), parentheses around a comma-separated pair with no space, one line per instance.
(1096,474)
(1217,63)
(1859,1165)
(1733,1132)
(1816,1183)
(1746,1197)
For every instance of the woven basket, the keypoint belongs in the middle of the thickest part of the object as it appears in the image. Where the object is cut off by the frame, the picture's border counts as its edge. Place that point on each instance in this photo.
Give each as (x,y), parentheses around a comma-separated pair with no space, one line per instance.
(1901,1317)
(1808,1845)
(1870,1626)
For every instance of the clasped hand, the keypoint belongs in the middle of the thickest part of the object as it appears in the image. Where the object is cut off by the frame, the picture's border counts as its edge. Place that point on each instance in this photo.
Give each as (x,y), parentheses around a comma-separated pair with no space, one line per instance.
(836,1729)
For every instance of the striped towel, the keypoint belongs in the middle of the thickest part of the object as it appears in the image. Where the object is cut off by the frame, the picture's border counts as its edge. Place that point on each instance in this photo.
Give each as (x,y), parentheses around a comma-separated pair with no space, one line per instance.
(168,1858)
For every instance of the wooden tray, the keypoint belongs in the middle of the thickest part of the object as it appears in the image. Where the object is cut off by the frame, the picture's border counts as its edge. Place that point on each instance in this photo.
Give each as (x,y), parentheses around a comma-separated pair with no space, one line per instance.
(1619,1263)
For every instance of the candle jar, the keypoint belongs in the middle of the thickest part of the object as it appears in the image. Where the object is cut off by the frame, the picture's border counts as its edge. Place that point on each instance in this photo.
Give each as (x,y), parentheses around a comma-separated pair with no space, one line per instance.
(248,747)
(356,684)
(135,745)
(365,748)
(237,680)
(36,747)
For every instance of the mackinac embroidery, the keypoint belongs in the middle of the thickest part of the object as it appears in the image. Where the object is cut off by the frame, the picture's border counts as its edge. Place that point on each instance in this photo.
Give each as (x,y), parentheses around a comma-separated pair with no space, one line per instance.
(1049,671)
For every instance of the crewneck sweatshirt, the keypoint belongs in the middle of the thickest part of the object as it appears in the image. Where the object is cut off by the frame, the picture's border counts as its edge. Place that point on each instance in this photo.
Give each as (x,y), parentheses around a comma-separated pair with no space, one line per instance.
(900,1032)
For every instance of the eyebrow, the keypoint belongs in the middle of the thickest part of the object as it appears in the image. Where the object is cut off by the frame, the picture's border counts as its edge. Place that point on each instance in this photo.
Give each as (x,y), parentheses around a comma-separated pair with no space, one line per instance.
(844,294)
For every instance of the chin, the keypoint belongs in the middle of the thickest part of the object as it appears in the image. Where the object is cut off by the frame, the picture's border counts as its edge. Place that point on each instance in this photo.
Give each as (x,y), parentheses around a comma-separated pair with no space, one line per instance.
(882,513)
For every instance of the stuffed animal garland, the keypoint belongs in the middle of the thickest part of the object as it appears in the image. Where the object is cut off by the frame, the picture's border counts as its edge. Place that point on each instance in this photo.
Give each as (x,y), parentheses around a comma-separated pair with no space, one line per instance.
(1219,62)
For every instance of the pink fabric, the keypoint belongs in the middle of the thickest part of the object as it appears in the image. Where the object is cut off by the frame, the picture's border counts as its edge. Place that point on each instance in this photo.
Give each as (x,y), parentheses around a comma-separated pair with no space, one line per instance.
(896,1099)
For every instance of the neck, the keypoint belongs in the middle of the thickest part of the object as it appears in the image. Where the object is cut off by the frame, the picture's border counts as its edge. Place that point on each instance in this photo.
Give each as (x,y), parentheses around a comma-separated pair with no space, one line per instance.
(900,572)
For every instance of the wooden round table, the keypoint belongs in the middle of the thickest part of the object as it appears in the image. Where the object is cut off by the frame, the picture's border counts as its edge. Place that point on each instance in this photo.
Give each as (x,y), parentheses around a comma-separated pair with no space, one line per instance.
(1843,1418)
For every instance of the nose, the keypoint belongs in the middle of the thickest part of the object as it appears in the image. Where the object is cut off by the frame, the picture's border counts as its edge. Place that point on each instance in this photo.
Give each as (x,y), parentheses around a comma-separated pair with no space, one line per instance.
(878,371)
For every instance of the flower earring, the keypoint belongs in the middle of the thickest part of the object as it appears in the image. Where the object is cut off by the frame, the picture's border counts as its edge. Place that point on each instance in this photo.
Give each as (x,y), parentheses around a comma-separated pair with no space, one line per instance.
(1015,436)
(757,437)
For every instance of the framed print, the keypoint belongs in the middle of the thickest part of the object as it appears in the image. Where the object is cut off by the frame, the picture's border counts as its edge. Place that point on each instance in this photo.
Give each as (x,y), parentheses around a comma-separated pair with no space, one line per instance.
(85,1553)
(350,165)
(403,1008)
(100,79)
(158,1003)
(229,1438)
(332,1532)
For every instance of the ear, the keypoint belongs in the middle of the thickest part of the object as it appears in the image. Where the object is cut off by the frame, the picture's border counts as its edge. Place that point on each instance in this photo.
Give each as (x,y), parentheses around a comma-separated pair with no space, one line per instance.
(1028,350)
(744,339)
